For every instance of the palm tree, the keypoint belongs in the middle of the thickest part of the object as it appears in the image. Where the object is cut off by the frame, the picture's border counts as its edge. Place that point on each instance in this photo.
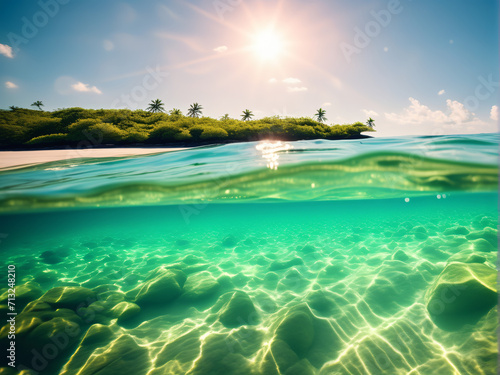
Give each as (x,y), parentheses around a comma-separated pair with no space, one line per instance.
(225,117)
(38,104)
(156,106)
(176,112)
(320,115)
(195,110)
(13,108)
(247,115)
(370,122)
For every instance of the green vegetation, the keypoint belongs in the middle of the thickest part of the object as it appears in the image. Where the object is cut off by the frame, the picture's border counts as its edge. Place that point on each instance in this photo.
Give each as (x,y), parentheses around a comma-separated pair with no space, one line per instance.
(156,106)
(247,115)
(370,122)
(320,115)
(195,110)
(38,104)
(78,127)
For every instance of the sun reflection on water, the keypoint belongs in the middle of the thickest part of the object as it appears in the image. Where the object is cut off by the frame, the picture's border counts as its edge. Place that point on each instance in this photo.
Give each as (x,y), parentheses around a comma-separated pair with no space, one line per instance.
(270,152)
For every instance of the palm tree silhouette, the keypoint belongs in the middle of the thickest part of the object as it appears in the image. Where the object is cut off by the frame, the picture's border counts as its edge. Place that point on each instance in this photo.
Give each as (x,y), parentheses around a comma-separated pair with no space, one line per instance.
(38,104)
(320,115)
(156,106)
(195,110)
(247,115)
(176,112)
(370,122)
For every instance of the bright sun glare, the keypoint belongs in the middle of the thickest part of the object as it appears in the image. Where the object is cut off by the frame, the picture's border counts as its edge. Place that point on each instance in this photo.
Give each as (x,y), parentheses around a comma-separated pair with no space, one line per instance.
(268,45)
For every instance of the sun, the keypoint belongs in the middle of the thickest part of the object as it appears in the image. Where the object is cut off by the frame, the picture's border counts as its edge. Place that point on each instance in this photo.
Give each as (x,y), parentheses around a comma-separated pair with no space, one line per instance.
(268,45)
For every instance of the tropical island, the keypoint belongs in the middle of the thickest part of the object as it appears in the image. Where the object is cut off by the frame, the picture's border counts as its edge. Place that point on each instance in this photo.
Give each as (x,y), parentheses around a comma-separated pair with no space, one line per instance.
(79,127)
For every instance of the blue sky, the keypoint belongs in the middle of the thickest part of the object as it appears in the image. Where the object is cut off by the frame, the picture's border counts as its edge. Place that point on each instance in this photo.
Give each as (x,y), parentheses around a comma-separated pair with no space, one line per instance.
(415,66)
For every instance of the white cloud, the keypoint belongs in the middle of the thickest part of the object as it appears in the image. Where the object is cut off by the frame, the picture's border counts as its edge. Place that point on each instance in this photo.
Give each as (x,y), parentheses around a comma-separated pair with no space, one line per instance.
(291,80)
(297,89)
(273,80)
(327,104)
(458,114)
(11,85)
(494,113)
(6,50)
(221,49)
(82,87)
(442,92)
(418,113)
(370,113)
(386,49)
(452,41)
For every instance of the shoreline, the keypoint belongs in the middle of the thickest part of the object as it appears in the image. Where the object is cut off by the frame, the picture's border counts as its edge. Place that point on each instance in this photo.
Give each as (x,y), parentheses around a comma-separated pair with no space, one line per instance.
(25,158)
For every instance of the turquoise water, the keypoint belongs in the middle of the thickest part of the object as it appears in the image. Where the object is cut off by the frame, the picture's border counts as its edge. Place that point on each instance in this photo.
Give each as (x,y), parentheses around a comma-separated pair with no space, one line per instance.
(376,256)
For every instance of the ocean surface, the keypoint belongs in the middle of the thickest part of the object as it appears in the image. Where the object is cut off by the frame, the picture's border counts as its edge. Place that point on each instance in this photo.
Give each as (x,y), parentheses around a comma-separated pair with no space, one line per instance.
(373,256)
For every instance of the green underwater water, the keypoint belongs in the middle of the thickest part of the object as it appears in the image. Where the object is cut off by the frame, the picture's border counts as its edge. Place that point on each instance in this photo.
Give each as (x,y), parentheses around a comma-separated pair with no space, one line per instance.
(346,259)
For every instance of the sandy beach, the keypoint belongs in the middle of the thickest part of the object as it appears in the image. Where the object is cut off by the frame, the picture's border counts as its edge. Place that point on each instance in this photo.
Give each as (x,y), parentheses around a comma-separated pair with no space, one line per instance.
(16,159)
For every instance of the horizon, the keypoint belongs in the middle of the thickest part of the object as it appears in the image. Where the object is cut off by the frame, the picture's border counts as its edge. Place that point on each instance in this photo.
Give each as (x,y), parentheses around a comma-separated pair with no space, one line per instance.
(415,67)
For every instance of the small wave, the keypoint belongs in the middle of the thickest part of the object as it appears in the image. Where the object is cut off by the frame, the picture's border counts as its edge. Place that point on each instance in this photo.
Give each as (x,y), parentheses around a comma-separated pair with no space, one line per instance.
(296,171)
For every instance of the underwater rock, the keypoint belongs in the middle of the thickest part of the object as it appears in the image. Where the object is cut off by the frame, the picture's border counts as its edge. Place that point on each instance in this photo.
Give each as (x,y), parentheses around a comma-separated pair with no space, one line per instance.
(25,293)
(420,233)
(297,330)
(482,245)
(121,356)
(280,357)
(70,297)
(456,231)
(393,287)
(488,234)
(163,286)
(462,294)
(56,330)
(293,281)
(278,265)
(333,272)
(219,356)
(467,257)
(239,311)
(200,286)
(325,302)
(303,367)
(300,335)
(51,257)
(192,260)
(400,255)
(307,249)
(41,329)
(433,252)
(125,311)
(182,350)
(229,241)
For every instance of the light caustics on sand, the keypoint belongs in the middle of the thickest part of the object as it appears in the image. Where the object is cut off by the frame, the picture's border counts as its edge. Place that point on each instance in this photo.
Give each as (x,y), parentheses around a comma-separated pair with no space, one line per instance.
(321,283)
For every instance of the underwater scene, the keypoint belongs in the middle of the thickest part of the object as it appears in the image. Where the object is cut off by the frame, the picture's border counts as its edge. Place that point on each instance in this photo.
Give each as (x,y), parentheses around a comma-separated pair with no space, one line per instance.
(371,256)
